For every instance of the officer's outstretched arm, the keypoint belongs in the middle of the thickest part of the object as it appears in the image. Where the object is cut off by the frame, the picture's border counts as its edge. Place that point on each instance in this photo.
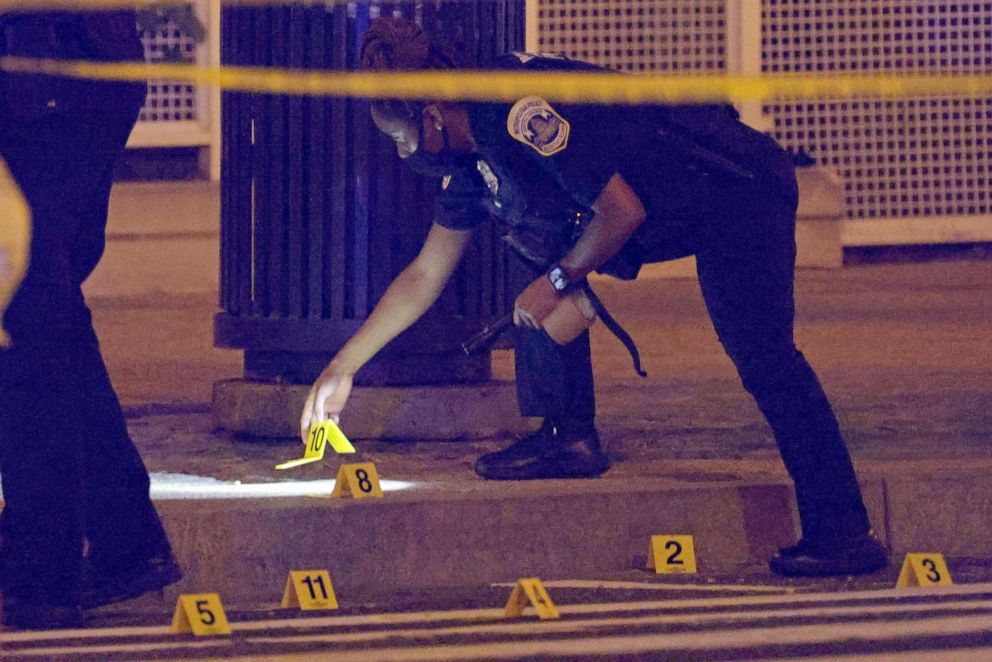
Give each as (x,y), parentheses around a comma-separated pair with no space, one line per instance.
(618,212)
(413,291)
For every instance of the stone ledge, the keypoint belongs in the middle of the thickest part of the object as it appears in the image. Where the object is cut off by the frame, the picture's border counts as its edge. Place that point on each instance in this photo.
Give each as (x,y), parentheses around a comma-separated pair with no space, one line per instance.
(821,194)
(461,411)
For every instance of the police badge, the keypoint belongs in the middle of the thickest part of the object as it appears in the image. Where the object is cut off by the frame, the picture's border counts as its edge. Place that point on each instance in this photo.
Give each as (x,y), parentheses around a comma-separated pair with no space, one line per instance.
(536,124)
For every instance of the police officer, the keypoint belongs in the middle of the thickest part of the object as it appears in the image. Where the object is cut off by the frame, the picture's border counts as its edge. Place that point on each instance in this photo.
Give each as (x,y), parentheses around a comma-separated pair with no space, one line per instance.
(658,183)
(72,479)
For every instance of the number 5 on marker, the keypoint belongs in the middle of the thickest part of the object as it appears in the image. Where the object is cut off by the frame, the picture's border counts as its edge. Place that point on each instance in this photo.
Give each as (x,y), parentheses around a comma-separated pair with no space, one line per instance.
(200,613)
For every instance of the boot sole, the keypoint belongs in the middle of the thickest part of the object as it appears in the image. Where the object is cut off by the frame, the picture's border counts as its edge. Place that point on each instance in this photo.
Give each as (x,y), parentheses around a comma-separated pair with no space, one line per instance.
(788,568)
(553,472)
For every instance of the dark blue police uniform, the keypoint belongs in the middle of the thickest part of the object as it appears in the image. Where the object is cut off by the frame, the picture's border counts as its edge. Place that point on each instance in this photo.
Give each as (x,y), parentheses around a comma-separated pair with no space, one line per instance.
(70,471)
(712,187)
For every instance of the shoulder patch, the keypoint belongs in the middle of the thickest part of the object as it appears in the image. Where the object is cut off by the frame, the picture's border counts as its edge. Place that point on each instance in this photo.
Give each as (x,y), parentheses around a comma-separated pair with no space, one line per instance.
(535,123)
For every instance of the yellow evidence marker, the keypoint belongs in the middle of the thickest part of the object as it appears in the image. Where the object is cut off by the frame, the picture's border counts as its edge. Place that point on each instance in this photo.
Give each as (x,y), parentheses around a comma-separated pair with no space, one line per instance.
(200,613)
(321,434)
(309,590)
(360,480)
(924,570)
(530,591)
(672,555)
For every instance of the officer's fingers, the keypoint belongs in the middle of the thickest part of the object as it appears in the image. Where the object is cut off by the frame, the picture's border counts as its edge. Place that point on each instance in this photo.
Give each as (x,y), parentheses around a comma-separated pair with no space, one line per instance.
(306,416)
(324,391)
(516,317)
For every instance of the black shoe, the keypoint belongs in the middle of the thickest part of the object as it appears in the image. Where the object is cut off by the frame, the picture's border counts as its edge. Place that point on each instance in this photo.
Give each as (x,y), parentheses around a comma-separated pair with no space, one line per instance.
(30,615)
(808,559)
(546,453)
(101,589)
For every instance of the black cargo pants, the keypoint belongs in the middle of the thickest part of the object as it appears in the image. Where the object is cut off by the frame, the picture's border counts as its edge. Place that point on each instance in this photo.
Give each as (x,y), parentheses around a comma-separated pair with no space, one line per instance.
(746,267)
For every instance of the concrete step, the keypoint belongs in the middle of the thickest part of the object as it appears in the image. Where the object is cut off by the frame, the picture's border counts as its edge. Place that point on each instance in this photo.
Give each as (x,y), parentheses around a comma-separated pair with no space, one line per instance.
(452,534)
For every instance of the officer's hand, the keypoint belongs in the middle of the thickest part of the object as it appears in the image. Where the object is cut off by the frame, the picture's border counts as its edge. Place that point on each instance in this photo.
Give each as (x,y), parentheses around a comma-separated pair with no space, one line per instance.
(535,303)
(327,398)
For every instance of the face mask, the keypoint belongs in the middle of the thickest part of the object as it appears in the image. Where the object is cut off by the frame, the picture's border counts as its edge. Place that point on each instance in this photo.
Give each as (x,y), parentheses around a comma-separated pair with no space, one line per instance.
(441,164)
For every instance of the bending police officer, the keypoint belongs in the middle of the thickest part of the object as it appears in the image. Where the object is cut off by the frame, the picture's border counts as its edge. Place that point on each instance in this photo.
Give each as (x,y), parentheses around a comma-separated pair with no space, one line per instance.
(658,183)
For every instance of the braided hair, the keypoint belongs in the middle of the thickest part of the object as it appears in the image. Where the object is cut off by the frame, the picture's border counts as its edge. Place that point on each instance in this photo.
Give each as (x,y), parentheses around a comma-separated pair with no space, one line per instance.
(399,44)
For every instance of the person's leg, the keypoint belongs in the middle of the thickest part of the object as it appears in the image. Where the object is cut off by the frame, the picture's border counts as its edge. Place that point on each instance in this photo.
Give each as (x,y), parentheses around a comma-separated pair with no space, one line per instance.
(747,282)
(40,445)
(122,526)
(40,464)
(64,167)
(553,382)
(129,552)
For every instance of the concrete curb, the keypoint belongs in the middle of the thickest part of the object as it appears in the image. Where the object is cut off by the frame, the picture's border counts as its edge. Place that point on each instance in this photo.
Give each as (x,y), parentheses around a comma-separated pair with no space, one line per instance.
(243,549)
(437,536)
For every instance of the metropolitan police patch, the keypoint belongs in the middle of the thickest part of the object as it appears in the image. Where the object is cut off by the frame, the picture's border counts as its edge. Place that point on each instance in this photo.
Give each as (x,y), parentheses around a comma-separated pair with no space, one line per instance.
(535,123)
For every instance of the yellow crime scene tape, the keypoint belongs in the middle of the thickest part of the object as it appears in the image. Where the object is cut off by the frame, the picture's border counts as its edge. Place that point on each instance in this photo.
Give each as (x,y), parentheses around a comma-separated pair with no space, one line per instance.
(484,85)
(509,86)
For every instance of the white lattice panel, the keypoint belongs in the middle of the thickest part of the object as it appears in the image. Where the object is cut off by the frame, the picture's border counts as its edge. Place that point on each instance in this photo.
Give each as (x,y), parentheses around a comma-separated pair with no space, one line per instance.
(169,101)
(899,158)
(636,35)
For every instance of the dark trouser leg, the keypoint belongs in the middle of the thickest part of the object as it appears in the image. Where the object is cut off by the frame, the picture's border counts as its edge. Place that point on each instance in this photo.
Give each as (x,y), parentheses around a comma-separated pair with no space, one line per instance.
(554,381)
(59,485)
(747,282)
(40,463)
(120,521)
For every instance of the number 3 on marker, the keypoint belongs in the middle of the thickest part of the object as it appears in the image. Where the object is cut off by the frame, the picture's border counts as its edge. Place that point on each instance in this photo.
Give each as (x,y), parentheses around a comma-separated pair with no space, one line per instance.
(924,570)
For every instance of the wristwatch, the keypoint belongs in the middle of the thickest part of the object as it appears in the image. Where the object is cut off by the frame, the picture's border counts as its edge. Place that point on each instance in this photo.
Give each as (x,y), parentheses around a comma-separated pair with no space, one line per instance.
(559,279)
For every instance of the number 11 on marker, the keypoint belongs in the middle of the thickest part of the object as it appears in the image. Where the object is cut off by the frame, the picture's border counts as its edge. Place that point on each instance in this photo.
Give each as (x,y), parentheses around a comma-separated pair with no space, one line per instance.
(309,589)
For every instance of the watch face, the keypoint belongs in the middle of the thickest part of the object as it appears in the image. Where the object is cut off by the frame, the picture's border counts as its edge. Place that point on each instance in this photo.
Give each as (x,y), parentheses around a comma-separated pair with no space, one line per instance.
(558,279)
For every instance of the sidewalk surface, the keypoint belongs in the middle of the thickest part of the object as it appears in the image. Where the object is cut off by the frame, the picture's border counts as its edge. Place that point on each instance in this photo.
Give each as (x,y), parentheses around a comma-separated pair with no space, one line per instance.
(903,350)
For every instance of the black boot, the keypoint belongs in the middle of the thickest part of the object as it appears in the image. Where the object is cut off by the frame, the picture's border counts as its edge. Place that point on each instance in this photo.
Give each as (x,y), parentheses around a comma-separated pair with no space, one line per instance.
(837,558)
(38,614)
(125,583)
(549,452)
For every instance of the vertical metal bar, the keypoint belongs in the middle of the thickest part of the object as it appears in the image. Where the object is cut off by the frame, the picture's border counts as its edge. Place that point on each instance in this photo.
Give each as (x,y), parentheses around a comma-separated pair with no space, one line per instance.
(277,248)
(532,25)
(296,154)
(227,197)
(339,235)
(316,193)
(262,164)
(744,52)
